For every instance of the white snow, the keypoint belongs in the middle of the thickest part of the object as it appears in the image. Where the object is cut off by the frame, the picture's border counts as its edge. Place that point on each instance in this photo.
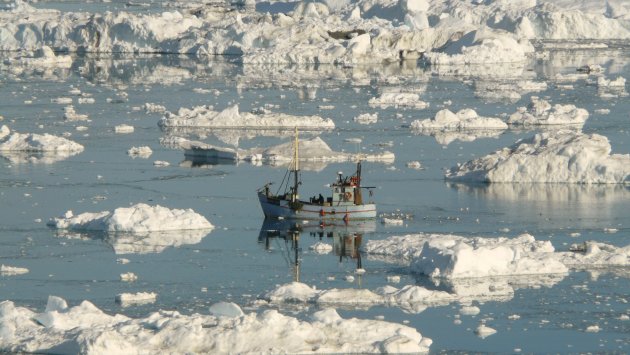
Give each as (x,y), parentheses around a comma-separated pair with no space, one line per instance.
(7,270)
(86,329)
(204,116)
(143,152)
(540,112)
(551,157)
(139,218)
(466,119)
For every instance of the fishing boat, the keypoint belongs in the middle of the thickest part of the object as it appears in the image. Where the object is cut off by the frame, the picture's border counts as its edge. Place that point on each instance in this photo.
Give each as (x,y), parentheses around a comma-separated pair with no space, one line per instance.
(345,201)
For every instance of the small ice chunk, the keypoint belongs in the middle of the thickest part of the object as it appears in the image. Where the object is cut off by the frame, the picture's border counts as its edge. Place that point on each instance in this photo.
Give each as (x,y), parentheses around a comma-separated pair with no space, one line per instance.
(592,328)
(128,299)
(161,163)
(7,270)
(484,331)
(414,165)
(140,152)
(393,279)
(469,310)
(128,277)
(123,128)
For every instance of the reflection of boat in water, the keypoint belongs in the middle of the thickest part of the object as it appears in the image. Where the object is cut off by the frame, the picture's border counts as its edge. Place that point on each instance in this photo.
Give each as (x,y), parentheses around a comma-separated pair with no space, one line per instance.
(346,202)
(346,238)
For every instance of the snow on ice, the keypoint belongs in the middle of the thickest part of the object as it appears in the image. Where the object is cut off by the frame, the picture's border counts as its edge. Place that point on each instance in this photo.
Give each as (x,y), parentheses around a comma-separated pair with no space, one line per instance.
(551,157)
(87,329)
(139,218)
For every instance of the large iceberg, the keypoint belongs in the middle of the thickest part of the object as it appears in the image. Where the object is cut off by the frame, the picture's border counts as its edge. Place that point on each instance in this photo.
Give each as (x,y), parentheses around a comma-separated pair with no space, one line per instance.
(540,112)
(550,157)
(88,330)
(139,218)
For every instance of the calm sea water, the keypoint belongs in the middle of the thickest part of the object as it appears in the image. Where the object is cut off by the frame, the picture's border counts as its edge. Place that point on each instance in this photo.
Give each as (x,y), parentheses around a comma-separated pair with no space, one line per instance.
(238,261)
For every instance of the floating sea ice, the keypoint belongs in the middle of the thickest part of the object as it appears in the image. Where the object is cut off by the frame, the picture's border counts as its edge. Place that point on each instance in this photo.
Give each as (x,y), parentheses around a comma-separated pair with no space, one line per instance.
(482,46)
(62,100)
(161,163)
(139,218)
(349,278)
(204,116)
(392,221)
(602,82)
(123,128)
(321,248)
(6,270)
(592,329)
(71,115)
(128,299)
(128,277)
(469,310)
(151,107)
(483,257)
(540,112)
(602,111)
(393,278)
(484,331)
(398,100)
(54,148)
(610,230)
(466,119)
(595,254)
(366,118)
(550,157)
(140,152)
(414,165)
(86,100)
(87,327)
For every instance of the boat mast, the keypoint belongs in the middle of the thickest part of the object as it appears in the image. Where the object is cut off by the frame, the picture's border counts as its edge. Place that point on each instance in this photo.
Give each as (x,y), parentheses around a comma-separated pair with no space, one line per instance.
(296,168)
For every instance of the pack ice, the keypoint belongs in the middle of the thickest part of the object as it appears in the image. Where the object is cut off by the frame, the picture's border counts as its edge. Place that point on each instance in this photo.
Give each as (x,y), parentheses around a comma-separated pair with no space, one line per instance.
(550,157)
(88,330)
(442,32)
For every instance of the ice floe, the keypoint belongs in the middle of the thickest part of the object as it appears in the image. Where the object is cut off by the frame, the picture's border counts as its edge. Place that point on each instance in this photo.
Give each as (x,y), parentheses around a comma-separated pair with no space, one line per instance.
(7,270)
(129,299)
(550,157)
(541,112)
(466,119)
(139,218)
(35,148)
(204,116)
(140,152)
(398,100)
(87,329)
